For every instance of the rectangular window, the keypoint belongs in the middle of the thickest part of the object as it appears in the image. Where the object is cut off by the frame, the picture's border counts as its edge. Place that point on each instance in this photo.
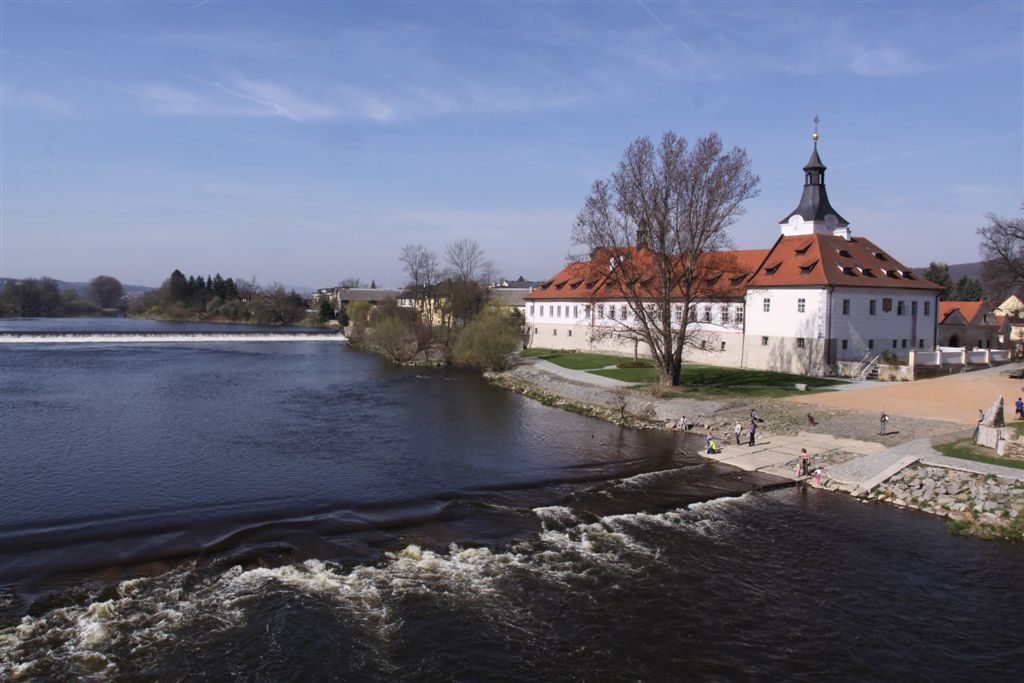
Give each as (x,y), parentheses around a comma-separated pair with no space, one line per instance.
(569,333)
(536,330)
(871,307)
(726,314)
(871,343)
(693,313)
(767,305)
(611,312)
(903,343)
(531,310)
(886,305)
(801,305)
(894,343)
(723,346)
(799,342)
(600,311)
(623,313)
(559,311)
(677,313)
(764,341)
(707,314)
(739,314)
(846,307)
(901,308)
(554,333)
(541,311)
(586,311)
(846,344)
(576,312)
(913,308)
(703,343)
(551,311)
(927,307)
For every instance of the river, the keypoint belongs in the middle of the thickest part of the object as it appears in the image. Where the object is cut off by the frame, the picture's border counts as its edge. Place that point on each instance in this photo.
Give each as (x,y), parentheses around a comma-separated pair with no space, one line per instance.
(208,502)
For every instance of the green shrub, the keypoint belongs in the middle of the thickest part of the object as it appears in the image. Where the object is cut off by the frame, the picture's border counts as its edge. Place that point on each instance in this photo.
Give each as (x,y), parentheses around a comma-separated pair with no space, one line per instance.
(487,341)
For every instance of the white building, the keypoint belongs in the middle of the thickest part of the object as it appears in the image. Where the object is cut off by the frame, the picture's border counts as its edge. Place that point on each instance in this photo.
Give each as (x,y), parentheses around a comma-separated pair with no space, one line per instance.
(819,301)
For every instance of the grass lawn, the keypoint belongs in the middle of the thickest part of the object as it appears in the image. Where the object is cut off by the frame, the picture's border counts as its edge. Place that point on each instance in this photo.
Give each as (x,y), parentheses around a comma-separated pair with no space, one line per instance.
(965,449)
(705,381)
(577,361)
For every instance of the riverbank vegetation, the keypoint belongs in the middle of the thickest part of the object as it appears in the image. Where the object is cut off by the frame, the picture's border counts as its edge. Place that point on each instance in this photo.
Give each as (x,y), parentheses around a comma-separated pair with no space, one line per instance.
(44,297)
(216,299)
(448,317)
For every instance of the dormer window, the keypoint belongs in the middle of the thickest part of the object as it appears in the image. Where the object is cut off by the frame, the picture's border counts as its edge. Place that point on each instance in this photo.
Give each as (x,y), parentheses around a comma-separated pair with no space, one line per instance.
(800,251)
(808,267)
(844,253)
(772,269)
(880,256)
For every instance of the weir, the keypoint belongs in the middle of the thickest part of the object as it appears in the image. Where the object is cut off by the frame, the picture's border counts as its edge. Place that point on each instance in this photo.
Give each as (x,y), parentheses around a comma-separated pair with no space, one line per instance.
(198,337)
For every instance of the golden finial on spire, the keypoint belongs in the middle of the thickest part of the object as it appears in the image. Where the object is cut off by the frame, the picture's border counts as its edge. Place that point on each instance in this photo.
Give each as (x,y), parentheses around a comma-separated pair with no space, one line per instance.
(814,135)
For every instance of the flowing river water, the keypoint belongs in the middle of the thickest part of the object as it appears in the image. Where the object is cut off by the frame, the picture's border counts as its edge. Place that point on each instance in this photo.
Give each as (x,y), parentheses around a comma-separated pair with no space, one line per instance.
(241,505)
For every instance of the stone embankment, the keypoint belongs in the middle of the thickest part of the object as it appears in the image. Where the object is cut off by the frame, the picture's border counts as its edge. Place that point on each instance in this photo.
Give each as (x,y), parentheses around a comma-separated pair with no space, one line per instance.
(976,503)
(983,505)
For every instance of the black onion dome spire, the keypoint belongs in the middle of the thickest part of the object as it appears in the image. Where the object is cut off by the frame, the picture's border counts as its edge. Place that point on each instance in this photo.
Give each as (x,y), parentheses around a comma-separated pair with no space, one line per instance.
(814,204)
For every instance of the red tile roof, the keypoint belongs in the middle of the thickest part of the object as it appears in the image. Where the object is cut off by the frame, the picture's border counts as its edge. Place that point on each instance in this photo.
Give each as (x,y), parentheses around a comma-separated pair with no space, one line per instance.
(724,275)
(968,309)
(829,260)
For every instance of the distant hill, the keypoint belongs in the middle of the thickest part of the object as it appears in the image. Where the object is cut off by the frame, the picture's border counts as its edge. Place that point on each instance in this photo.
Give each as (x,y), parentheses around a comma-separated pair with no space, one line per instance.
(82,288)
(959,270)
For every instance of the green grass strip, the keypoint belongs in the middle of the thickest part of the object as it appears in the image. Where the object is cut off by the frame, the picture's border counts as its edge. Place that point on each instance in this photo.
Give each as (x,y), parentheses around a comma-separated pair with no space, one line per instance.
(965,449)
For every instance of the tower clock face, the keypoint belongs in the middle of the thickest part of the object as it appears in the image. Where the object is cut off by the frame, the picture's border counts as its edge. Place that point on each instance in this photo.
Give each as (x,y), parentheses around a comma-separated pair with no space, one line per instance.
(796,221)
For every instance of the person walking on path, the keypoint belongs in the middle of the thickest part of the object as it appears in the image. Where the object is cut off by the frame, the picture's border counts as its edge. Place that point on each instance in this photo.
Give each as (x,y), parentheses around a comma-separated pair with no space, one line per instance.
(753,429)
(1019,405)
(883,420)
(739,430)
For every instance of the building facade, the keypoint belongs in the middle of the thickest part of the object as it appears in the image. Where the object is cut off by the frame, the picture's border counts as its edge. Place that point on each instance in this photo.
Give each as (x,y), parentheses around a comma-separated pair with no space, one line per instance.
(819,301)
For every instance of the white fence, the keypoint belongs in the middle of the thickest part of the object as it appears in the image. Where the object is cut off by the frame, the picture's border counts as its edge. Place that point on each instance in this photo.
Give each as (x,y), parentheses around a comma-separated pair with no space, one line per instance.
(946,355)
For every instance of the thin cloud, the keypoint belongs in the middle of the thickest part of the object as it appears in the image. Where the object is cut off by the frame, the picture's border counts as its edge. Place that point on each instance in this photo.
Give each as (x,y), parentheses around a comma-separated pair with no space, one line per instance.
(12,97)
(887,61)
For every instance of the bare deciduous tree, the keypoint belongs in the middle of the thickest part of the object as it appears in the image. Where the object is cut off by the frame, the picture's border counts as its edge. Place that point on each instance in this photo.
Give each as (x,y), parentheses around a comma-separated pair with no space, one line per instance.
(655,230)
(466,263)
(1002,248)
(421,266)
(352,283)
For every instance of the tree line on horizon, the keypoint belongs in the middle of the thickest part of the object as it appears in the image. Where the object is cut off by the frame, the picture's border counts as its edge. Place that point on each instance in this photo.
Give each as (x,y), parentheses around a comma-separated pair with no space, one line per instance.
(219,299)
(44,297)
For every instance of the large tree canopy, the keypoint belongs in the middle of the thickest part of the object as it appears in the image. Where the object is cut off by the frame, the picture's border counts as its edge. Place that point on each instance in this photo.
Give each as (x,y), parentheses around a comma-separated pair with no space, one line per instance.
(105,291)
(1002,247)
(658,227)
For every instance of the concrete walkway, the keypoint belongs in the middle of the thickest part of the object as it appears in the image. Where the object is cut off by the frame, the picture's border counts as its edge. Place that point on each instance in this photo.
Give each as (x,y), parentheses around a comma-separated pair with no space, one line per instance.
(575,375)
(777,454)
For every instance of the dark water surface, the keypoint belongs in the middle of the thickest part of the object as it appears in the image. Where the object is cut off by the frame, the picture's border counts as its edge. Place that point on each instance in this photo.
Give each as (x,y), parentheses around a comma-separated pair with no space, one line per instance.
(294,510)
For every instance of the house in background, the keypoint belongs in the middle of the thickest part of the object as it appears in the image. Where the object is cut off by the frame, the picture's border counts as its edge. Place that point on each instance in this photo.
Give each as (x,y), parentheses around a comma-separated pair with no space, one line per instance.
(1013,311)
(969,324)
(819,301)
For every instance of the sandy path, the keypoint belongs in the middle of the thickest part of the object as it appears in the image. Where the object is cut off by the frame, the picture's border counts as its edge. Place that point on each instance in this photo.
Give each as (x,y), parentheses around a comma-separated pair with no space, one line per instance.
(955,398)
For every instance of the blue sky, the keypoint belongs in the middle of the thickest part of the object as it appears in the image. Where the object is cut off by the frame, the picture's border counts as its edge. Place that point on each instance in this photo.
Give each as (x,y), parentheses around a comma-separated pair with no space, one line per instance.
(307,142)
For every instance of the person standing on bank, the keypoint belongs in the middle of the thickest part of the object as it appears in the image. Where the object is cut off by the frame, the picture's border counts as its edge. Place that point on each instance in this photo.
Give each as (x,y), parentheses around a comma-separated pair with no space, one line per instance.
(883,420)
(753,429)
(739,430)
